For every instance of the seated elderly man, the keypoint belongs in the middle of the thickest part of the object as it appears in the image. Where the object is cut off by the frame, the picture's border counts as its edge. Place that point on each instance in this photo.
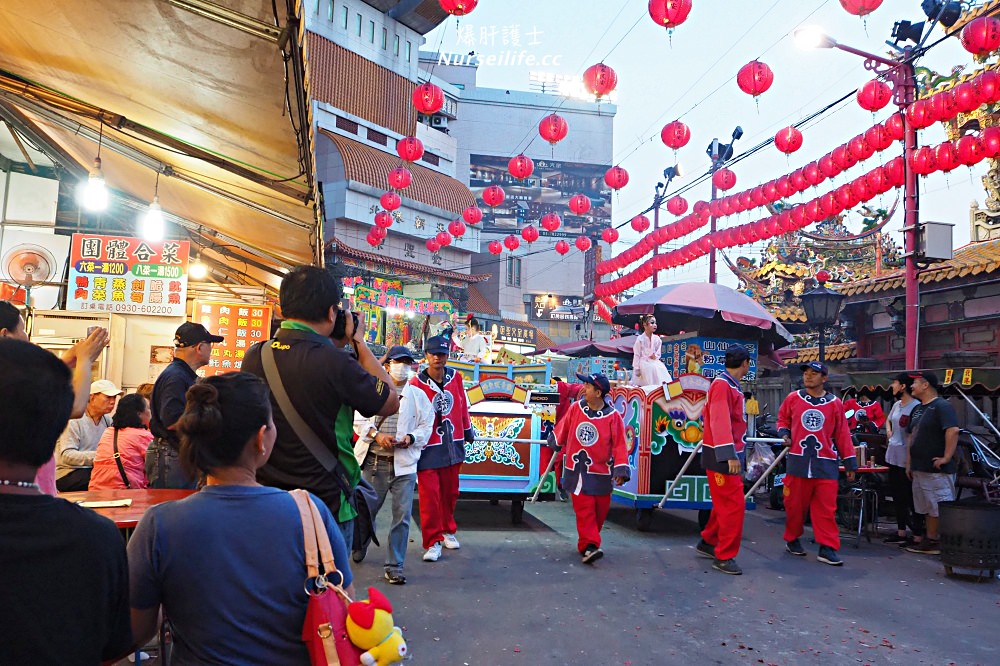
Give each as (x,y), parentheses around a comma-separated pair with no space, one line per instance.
(78,444)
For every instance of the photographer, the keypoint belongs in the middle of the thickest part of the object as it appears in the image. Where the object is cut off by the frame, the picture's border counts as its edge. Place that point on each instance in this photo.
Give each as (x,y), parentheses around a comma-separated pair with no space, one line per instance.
(324,385)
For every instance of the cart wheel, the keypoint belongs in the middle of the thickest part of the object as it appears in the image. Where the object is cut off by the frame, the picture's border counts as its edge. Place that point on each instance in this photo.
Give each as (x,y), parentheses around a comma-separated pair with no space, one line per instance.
(703,516)
(516,511)
(643,519)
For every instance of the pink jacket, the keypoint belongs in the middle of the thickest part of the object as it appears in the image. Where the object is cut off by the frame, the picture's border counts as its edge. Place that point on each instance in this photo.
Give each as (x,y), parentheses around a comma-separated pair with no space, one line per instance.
(132,445)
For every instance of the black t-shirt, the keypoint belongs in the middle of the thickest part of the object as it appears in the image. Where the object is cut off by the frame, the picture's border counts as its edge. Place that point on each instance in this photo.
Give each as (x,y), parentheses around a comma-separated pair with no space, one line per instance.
(64,584)
(326,385)
(167,402)
(928,424)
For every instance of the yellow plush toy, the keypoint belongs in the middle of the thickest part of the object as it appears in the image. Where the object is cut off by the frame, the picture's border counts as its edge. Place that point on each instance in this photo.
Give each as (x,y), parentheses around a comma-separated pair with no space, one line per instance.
(369,626)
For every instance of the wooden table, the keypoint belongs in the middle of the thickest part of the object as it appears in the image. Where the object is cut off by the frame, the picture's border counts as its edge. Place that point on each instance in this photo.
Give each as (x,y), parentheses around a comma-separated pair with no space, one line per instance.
(126,517)
(867,503)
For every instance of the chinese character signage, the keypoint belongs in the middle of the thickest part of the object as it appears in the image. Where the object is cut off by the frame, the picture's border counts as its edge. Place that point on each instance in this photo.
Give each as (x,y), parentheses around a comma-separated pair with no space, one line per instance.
(506,331)
(557,308)
(373,298)
(704,356)
(128,275)
(240,324)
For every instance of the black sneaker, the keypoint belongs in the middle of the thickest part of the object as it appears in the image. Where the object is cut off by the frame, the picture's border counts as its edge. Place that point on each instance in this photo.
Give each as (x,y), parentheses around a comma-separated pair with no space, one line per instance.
(925,547)
(895,539)
(727,567)
(829,556)
(705,549)
(591,554)
(795,548)
(395,578)
(359,555)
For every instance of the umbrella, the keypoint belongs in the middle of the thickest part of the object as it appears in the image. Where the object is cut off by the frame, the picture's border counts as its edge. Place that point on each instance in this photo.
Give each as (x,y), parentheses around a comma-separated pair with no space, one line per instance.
(617,348)
(712,310)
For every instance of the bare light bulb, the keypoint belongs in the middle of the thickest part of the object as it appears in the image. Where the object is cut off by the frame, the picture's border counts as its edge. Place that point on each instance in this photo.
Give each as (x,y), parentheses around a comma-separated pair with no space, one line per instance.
(197,270)
(93,195)
(152,226)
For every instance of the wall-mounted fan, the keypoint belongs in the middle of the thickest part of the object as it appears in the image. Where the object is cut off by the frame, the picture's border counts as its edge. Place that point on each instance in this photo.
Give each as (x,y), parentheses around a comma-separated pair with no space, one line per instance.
(27,265)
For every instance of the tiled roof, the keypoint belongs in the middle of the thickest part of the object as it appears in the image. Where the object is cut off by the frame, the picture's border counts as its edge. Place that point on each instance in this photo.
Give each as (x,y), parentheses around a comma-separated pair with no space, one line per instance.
(543,341)
(972,259)
(410,268)
(368,165)
(832,353)
(796,270)
(788,313)
(478,303)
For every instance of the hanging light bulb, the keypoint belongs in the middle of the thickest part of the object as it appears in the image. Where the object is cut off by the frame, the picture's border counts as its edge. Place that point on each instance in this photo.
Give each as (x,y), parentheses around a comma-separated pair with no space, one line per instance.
(197,270)
(152,225)
(93,194)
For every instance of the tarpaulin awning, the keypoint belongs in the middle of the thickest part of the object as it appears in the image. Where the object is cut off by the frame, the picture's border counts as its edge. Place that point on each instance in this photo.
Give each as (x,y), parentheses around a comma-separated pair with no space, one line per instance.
(976,380)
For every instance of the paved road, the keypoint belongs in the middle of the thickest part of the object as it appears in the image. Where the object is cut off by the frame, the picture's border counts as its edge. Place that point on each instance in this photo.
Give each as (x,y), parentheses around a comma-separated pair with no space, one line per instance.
(519,595)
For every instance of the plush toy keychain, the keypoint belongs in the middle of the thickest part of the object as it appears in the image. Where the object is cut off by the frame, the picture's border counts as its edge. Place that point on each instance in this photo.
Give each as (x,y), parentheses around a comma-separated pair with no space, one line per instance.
(370,627)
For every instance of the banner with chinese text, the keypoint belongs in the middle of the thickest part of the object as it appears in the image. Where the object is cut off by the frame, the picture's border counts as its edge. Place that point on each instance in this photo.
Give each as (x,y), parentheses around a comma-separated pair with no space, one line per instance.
(371,297)
(128,275)
(240,324)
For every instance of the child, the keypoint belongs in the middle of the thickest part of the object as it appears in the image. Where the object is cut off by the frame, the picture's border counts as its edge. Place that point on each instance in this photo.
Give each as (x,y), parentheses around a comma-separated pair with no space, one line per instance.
(591,439)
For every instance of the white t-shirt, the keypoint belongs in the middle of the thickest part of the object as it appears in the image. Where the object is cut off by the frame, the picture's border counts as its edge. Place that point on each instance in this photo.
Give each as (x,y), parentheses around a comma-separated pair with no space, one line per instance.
(899,418)
(476,347)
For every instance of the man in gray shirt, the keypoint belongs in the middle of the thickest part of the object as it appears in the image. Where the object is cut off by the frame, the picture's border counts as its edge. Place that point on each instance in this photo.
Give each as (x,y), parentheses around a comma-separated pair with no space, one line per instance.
(78,443)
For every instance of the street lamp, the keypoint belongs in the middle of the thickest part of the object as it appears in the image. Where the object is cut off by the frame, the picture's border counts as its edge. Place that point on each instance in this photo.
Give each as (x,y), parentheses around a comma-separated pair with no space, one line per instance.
(822,306)
(659,196)
(719,153)
(900,75)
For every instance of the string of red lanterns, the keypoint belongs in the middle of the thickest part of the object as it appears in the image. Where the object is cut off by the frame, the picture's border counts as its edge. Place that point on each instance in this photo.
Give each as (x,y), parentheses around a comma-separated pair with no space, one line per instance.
(754,78)
(600,79)
(669,13)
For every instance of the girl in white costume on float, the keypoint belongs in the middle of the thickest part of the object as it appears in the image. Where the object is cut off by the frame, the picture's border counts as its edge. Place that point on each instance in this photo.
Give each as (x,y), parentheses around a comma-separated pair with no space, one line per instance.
(647,368)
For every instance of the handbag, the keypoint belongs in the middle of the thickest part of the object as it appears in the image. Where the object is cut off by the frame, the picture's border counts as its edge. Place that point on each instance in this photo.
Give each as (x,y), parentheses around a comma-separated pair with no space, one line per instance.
(324,631)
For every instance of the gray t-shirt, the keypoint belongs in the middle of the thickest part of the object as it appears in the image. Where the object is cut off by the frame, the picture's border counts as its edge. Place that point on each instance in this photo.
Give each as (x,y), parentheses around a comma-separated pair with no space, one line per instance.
(899,418)
(78,444)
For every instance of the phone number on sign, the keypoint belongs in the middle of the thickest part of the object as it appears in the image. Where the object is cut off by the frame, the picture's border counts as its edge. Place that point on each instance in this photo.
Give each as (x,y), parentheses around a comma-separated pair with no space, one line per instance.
(132,308)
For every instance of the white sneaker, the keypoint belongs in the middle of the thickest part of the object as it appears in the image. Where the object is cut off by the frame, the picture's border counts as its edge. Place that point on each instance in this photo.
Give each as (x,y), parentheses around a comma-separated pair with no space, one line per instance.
(143,656)
(451,543)
(433,553)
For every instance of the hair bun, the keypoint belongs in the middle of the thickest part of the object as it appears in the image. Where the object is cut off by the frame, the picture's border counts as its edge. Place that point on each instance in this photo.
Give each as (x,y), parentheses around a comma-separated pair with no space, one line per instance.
(203,394)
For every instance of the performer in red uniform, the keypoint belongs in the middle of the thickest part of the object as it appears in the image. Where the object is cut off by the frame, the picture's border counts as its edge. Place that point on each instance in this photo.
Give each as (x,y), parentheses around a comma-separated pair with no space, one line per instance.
(864,406)
(814,426)
(722,457)
(591,440)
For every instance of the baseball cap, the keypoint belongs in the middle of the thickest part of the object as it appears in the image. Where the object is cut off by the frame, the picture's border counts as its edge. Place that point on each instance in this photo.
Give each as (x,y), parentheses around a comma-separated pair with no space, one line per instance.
(189,334)
(437,344)
(105,386)
(927,376)
(903,378)
(598,380)
(815,365)
(399,353)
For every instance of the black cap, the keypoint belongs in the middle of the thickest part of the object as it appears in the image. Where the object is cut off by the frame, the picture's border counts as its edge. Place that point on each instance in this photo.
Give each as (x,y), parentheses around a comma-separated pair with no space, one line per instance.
(437,344)
(598,380)
(736,355)
(189,334)
(927,376)
(815,365)
(903,378)
(399,353)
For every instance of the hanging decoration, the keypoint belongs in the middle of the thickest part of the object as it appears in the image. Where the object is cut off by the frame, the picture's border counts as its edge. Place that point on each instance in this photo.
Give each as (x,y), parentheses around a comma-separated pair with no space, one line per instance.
(511,242)
(669,13)
(432,245)
(582,243)
(373,239)
(378,232)
(457,228)
(400,178)
(600,79)
(640,223)
(553,128)
(609,235)
(550,222)
(495,247)
(754,78)
(724,179)
(677,205)
(443,238)
(493,196)
(390,201)
(675,134)
(579,204)
(521,166)
(383,219)
(562,247)
(788,140)
(981,36)
(410,149)
(874,95)
(458,7)
(472,215)
(616,178)
(529,234)
(860,7)
(428,98)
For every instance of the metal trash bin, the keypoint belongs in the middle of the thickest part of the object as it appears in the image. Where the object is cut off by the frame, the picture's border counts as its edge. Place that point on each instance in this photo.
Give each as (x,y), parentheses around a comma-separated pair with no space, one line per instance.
(970,536)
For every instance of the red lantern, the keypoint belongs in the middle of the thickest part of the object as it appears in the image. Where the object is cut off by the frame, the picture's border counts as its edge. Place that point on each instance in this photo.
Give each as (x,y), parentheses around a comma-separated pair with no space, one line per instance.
(946,156)
(859,148)
(378,232)
(521,166)
(511,242)
(428,98)
(390,201)
(812,174)
(677,205)
(472,215)
(640,223)
(874,95)
(400,178)
(788,140)
(609,235)
(374,241)
(550,222)
(754,78)
(878,138)
(383,219)
(456,228)
(579,203)
(458,7)
(942,105)
(443,238)
(493,196)
(432,245)
(410,149)
(894,126)
(582,243)
(922,161)
(828,167)
(894,171)
(669,13)
(860,7)
(600,79)
(981,36)
(845,197)
(970,150)
(783,186)
(616,178)
(553,128)
(495,247)
(990,138)
(529,234)
(965,97)
(919,114)
(798,180)
(842,158)
(562,247)
(724,179)
(987,87)
(675,134)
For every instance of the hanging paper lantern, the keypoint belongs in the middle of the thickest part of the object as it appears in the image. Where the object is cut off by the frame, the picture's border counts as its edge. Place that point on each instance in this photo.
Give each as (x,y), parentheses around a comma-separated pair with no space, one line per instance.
(946,156)
(383,219)
(640,223)
(521,166)
(400,178)
(878,138)
(942,105)
(579,203)
(493,196)
(562,247)
(923,161)
(970,150)
(511,242)
(828,167)
(378,232)
(410,149)
(432,245)
(550,222)
(374,241)
(798,180)
(675,134)
(582,243)
(788,140)
(894,126)
(553,128)
(919,114)
(495,247)
(600,79)
(842,158)
(443,238)
(812,174)
(859,149)
(428,98)
(990,138)
(390,201)
(609,235)
(860,7)
(472,215)
(677,205)
(895,171)
(965,97)
(724,179)
(616,178)
(874,95)
(987,87)
(669,13)
(529,234)
(458,7)
(981,36)
(456,228)
(754,78)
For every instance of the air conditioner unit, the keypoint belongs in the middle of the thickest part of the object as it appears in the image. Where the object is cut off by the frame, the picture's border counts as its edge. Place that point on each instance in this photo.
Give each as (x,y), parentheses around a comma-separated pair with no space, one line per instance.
(439,121)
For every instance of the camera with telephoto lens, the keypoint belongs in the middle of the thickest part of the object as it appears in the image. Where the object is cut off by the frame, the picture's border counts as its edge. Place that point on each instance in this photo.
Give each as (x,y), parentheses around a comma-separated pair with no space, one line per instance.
(340,325)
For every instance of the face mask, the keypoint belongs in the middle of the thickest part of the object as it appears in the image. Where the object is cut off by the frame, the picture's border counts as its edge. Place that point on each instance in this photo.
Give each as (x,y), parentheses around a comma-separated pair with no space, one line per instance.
(399,371)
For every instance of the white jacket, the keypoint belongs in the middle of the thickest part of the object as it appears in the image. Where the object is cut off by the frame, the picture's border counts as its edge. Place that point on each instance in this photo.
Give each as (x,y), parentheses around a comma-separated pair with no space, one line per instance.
(416,417)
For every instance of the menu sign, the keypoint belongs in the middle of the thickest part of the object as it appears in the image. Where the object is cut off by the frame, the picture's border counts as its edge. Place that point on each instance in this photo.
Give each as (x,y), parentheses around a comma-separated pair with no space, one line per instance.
(240,324)
(128,275)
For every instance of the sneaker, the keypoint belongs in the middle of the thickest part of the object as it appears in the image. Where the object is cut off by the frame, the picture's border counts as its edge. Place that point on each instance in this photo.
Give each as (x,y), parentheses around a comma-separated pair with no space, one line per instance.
(705,549)
(451,543)
(925,547)
(395,578)
(795,548)
(143,656)
(359,555)
(433,553)
(895,539)
(829,556)
(727,567)
(591,554)
(562,495)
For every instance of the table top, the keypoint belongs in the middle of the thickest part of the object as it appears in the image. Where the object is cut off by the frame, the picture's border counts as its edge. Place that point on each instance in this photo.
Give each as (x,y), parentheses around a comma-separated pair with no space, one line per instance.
(868,470)
(126,517)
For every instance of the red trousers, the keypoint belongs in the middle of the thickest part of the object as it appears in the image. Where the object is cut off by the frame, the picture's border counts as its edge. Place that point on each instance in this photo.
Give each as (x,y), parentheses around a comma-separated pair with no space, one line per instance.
(725,526)
(438,492)
(591,511)
(818,497)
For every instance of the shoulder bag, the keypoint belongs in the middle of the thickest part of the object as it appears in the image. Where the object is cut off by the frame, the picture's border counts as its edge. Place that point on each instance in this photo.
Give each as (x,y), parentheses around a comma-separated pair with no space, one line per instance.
(118,460)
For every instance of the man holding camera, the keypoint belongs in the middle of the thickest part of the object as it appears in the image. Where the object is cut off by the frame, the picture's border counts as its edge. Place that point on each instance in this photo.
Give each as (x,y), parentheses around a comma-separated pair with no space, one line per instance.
(322,371)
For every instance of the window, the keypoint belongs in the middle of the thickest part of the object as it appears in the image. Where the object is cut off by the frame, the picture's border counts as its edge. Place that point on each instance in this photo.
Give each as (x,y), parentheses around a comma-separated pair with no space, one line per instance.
(395,45)
(343,15)
(408,47)
(329,10)
(513,272)
(357,24)
(371,31)
(385,39)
